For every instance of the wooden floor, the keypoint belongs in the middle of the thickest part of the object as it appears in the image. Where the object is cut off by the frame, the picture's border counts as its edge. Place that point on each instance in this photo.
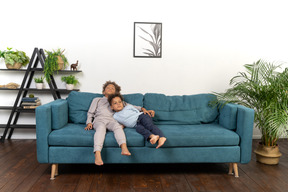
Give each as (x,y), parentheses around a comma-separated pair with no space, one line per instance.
(20,171)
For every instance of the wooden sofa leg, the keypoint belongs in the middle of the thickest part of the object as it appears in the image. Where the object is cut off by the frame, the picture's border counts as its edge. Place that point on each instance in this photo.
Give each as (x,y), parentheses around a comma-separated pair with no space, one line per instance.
(56,171)
(233,167)
(54,168)
(230,169)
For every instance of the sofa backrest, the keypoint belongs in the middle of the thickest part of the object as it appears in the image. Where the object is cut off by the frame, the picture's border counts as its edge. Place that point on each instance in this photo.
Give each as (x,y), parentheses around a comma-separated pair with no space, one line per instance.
(79,103)
(186,109)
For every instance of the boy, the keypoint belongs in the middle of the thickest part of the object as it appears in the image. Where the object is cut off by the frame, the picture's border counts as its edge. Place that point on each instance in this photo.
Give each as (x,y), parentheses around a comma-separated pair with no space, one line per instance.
(129,116)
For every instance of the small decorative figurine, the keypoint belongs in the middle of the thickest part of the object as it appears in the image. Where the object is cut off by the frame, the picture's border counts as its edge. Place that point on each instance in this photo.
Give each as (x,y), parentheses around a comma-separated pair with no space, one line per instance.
(74,66)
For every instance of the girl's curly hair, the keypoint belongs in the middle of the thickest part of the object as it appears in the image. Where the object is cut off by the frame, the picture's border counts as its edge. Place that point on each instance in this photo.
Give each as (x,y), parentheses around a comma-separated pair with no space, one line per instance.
(117,87)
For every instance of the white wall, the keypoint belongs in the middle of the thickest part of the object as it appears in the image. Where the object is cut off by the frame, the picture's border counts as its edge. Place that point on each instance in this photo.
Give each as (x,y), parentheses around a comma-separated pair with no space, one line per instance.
(205,43)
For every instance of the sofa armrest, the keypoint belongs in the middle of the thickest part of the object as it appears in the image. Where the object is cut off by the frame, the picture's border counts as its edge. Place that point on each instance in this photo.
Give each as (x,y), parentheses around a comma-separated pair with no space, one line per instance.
(245,124)
(48,118)
(240,119)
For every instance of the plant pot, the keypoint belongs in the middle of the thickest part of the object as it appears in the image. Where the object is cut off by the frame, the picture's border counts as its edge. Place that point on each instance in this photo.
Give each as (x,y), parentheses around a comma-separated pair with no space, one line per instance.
(60,63)
(39,85)
(69,86)
(267,155)
(15,66)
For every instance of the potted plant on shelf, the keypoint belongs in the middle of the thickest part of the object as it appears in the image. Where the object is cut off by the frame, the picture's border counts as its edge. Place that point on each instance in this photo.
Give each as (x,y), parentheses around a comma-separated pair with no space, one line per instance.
(14,59)
(54,61)
(263,89)
(70,81)
(39,82)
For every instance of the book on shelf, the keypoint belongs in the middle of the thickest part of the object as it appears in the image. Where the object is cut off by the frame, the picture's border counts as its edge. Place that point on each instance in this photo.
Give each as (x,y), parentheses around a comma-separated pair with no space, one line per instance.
(30,107)
(28,99)
(31,103)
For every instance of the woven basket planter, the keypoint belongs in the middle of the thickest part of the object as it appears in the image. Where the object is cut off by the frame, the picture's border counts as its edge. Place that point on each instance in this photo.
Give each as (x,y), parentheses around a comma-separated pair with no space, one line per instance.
(15,66)
(60,63)
(268,155)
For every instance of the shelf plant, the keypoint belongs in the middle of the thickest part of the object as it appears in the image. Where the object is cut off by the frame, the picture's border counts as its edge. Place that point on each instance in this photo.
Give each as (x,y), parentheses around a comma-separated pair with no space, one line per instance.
(54,61)
(70,81)
(39,82)
(14,59)
(263,88)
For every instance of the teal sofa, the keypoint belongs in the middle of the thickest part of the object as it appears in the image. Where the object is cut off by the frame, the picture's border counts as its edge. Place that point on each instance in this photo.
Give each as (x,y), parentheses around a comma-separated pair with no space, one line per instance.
(195,132)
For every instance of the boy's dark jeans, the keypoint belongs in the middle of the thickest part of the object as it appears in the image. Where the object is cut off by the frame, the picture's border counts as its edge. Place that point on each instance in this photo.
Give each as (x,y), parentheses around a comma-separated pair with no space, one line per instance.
(146,127)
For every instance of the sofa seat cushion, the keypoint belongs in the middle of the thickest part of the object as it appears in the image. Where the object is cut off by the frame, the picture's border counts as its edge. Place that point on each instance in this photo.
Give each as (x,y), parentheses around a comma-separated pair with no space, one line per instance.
(203,135)
(76,135)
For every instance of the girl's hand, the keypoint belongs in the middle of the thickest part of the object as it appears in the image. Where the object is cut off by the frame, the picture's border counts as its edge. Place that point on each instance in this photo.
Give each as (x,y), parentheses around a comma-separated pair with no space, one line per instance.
(89,126)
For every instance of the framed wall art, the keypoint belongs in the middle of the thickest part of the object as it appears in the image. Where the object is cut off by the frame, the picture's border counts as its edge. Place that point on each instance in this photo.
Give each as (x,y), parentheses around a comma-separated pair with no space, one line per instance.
(147,40)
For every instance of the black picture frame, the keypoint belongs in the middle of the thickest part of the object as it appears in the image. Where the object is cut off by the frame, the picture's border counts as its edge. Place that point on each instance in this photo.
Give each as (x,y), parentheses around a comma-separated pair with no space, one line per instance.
(147,40)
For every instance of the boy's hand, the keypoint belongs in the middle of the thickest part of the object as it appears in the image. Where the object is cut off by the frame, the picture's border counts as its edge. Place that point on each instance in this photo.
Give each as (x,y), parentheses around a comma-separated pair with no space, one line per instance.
(145,111)
(122,126)
(89,126)
(152,113)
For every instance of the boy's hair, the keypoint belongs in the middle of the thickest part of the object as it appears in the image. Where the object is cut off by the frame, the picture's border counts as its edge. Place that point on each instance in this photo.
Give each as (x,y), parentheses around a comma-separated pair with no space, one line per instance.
(117,87)
(111,97)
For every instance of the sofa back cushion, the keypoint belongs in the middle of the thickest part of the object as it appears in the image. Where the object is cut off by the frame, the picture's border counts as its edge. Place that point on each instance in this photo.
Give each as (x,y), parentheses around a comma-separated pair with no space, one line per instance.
(79,103)
(134,99)
(186,109)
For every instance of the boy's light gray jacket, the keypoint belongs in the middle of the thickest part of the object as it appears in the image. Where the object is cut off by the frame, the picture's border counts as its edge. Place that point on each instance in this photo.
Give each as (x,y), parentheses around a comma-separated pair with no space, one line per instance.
(128,116)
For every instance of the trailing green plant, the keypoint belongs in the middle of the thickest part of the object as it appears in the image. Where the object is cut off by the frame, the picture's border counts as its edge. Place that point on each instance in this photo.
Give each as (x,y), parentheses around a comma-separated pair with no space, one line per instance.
(71,79)
(39,80)
(12,57)
(51,63)
(263,89)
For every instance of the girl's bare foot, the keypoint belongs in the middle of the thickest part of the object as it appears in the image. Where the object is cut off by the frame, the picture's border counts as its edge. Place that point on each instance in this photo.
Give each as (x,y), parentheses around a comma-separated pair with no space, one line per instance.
(161,142)
(125,150)
(98,158)
(154,139)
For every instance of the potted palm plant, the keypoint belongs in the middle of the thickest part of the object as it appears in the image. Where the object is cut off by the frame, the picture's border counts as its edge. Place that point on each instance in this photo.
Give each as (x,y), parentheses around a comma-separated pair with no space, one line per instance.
(263,89)
(70,81)
(14,59)
(54,61)
(39,82)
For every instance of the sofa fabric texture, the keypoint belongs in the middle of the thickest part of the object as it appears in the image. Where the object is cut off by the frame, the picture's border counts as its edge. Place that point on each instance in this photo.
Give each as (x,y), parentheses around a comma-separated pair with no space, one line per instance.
(179,110)
(195,131)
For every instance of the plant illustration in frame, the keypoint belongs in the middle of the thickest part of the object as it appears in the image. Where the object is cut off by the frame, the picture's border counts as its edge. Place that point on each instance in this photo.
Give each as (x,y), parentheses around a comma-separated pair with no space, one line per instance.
(147,39)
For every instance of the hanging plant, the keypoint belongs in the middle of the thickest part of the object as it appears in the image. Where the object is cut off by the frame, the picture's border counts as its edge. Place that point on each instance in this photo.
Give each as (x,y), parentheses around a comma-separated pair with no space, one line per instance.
(54,61)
